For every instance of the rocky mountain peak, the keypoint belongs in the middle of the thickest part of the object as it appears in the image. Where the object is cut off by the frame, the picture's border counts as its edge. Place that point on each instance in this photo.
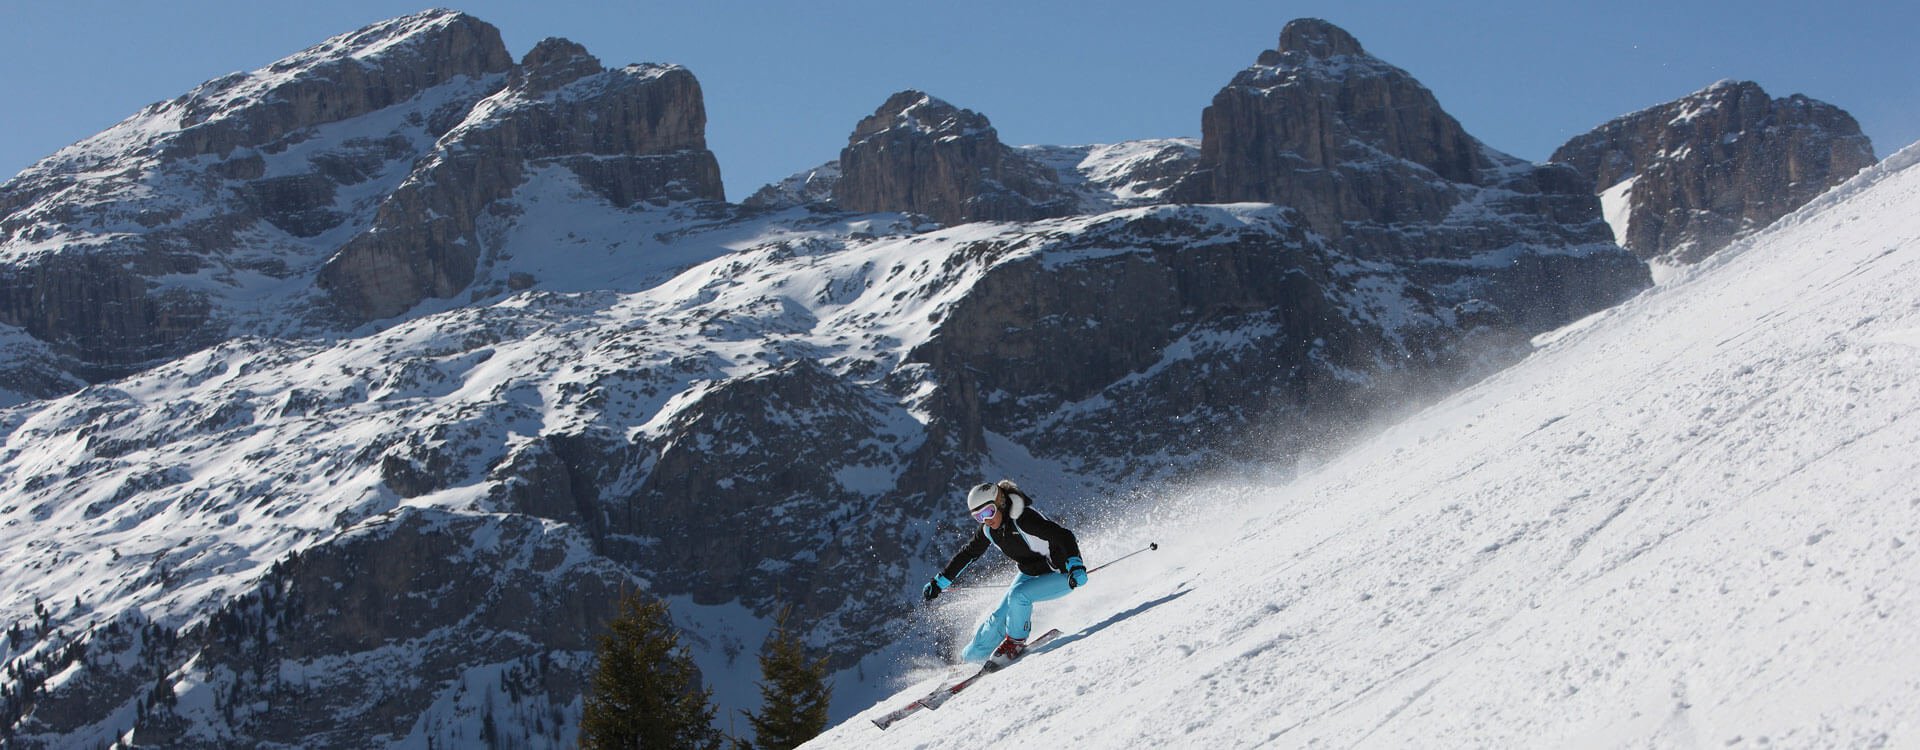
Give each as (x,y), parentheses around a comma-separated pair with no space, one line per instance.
(1367,155)
(286,150)
(1344,94)
(1317,38)
(924,114)
(917,153)
(1726,86)
(421,32)
(344,77)
(552,63)
(1686,178)
(631,135)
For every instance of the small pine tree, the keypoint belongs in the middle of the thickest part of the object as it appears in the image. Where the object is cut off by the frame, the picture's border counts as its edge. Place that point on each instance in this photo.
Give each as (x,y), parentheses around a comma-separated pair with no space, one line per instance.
(646,692)
(794,692)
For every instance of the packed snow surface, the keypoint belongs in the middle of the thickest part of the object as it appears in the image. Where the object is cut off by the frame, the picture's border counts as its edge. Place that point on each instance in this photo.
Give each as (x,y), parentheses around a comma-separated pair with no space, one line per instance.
(1692,521)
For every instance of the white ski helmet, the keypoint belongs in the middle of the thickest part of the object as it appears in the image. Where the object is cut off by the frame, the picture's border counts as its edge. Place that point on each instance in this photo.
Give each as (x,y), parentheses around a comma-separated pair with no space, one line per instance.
(981,494)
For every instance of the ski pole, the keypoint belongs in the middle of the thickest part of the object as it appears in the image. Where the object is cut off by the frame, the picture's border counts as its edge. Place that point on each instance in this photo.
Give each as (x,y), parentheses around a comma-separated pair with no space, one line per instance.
(974,586)
(1150,546)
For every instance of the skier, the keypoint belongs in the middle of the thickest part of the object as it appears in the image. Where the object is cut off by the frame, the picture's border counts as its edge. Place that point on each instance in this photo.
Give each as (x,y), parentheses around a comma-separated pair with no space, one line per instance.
(1048,556)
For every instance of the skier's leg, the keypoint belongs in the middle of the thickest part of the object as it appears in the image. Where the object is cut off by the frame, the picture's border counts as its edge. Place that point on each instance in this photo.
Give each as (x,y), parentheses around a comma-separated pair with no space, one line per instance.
(1029,589)
(993,627)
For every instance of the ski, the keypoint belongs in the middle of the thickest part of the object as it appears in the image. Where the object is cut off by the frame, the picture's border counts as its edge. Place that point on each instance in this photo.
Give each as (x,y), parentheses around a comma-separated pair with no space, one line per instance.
(943,693)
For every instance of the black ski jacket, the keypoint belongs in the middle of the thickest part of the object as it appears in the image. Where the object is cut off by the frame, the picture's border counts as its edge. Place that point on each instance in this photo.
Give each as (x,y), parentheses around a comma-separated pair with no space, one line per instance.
(1016,537)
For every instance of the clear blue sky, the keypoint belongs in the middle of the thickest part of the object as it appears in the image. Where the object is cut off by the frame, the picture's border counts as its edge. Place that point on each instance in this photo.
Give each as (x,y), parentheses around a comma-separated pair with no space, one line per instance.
(785,82)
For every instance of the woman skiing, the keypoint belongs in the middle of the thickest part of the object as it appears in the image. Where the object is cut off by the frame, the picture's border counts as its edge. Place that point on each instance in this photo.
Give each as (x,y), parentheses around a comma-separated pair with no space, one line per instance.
(1048,556)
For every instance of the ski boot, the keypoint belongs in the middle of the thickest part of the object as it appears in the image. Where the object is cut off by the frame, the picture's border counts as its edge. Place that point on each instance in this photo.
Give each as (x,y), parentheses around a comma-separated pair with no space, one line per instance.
(1009,649)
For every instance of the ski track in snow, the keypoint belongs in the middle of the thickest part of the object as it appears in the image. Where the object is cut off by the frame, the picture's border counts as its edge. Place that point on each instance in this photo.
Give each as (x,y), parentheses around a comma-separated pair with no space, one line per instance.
(1689,521)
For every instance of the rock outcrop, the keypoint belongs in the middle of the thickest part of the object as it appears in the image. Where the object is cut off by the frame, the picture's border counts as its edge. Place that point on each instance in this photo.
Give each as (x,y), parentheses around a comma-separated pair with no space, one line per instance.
(919,154)
(343,629)
(1215,331)
(1715,165)
(1077,180)
(1368,157)
(810,187)
(633,134)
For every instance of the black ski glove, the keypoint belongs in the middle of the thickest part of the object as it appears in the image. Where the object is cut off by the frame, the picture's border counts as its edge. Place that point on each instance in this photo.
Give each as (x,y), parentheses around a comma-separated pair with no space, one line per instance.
(935,585)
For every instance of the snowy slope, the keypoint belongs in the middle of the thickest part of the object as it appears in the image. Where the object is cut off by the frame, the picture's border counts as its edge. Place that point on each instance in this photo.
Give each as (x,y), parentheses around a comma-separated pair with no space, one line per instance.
(1688,521)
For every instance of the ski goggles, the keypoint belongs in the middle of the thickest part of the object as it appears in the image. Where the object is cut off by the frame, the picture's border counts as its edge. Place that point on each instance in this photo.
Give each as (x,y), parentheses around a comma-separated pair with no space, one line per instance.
(985,513)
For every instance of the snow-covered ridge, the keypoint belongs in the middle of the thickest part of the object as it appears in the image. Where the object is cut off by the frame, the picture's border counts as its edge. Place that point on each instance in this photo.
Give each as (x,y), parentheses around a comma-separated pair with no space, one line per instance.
(1692,105)
(491,111)
(1115,175)
(1687,522)
(233,95)
(813,186)
(370,46)
(931,116)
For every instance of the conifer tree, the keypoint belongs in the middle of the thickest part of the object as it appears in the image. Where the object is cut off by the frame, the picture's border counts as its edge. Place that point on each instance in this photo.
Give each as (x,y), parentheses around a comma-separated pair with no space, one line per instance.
(646,692)
(794,692)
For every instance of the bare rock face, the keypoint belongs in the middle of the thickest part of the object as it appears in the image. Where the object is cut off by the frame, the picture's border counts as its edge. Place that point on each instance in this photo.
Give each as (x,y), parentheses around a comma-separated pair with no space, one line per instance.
(1255,287)
(1078,179)
(117,251)
(1219,321)
(342,630)
(1367,156)
(919,154)
(1716,165)
(750,523)
(1300,126)
(633,134)
(30,370)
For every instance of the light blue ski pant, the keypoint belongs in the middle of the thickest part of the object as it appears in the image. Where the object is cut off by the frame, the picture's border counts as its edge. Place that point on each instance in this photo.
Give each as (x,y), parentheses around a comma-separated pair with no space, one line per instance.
(1014,616)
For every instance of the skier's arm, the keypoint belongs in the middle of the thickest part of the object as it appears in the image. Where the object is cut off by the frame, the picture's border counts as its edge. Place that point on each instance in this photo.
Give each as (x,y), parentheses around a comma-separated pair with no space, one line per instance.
(976,547)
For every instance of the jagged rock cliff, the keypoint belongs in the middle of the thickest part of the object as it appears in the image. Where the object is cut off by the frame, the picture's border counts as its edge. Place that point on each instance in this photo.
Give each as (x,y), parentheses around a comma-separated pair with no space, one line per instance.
(1715,165)
(1084,179)
(1296,127)
(919,154)
(629,135)
(1368,157)
(344,630)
